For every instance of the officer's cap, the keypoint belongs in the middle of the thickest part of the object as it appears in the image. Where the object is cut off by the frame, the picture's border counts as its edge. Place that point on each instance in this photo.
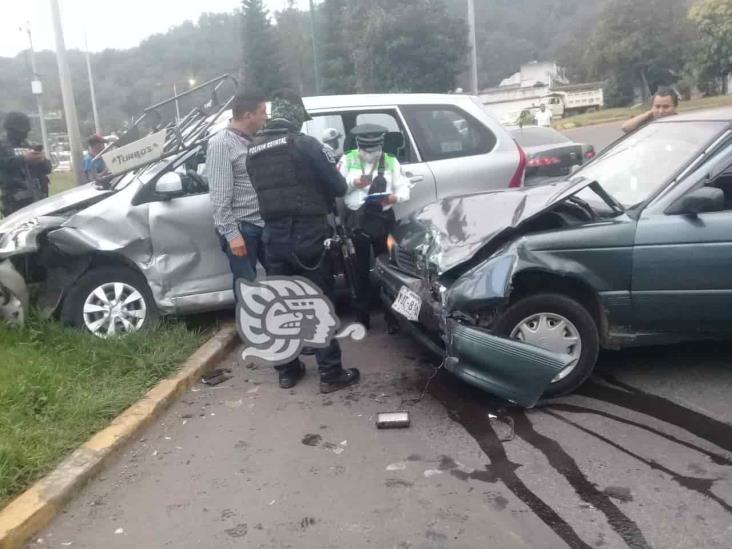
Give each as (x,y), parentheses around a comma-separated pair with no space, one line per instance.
(369,136)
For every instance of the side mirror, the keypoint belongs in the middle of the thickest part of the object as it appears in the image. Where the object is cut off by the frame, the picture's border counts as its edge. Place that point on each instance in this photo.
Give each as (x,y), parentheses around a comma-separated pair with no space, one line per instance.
(705,199)
(170,184)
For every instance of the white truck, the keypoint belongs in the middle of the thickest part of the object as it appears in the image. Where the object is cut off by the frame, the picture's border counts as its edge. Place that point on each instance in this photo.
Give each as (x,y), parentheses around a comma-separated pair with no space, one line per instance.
(507,104)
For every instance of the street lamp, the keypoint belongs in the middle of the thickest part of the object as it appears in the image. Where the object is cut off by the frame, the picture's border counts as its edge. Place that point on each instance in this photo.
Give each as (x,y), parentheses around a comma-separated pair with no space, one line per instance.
(191,83)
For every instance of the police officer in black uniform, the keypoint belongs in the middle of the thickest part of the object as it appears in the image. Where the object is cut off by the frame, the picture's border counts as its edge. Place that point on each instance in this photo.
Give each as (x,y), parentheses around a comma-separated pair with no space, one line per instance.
(24,168)
(296,181)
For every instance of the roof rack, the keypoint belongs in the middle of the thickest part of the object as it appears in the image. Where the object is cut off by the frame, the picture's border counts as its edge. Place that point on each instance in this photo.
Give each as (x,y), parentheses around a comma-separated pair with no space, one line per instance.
(181,134)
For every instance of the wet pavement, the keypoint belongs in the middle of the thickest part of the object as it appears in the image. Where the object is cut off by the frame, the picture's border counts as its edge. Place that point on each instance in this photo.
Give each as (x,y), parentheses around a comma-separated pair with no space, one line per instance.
(640,457)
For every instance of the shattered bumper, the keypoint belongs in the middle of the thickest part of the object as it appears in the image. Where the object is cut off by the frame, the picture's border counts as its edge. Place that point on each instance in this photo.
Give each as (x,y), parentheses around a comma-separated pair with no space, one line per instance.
(13,294)
(506,368)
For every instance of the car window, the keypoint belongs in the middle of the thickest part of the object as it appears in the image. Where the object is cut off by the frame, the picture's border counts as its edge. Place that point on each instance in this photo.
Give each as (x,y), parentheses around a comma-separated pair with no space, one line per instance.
(639,165)
(380,118)
(321,122)
(192,170)
(536,137)
(445,131)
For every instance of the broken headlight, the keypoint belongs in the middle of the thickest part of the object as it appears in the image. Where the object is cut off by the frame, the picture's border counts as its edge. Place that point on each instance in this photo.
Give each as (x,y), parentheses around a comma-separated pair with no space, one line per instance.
(20,239)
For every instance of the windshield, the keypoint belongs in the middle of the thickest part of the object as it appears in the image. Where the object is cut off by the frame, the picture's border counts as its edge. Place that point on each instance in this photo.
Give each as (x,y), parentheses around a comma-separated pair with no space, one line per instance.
(636,167)
(536,137)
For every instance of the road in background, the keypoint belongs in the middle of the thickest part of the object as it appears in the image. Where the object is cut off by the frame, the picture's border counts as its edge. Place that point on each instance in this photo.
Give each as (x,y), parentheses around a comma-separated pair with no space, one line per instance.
(599,136)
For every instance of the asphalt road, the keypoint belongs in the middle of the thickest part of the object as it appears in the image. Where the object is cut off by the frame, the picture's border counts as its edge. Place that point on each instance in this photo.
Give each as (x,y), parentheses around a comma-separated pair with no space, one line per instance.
(640,458)
(599,136)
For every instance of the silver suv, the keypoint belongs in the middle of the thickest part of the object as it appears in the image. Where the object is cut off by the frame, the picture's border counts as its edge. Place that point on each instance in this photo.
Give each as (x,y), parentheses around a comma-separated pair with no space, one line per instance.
(113,259)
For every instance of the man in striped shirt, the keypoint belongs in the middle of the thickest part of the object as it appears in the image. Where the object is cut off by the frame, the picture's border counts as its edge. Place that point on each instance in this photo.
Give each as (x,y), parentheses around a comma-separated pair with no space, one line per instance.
(235,206)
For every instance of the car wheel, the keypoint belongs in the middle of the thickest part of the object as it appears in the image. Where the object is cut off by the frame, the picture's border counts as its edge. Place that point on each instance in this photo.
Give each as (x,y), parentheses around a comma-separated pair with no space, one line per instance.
(110,301)
(556,323)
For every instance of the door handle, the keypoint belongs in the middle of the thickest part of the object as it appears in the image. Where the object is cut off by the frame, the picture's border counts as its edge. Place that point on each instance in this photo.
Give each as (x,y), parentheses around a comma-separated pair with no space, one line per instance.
(414,178)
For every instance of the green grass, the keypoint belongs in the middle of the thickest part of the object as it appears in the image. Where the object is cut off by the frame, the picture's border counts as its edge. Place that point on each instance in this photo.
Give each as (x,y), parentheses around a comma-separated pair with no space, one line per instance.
(61,181)
(58,386)
(614,115)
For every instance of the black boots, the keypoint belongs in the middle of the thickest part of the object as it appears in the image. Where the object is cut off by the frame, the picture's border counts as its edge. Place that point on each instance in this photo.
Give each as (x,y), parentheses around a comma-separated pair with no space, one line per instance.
(290,377)
(346,378)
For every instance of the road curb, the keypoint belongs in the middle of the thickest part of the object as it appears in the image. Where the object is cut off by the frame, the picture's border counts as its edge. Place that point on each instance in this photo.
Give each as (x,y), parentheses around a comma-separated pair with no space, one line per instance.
(35,508)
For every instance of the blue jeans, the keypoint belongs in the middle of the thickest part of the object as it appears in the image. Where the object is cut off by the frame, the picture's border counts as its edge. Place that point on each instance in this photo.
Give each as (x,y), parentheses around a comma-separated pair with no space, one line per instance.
(246,267)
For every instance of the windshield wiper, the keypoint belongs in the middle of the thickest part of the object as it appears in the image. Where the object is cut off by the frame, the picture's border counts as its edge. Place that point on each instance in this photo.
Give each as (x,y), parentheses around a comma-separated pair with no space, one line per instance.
(616,206)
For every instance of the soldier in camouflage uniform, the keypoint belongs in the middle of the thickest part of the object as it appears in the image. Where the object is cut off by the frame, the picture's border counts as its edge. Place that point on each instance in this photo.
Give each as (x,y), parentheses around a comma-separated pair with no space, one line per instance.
(23,169)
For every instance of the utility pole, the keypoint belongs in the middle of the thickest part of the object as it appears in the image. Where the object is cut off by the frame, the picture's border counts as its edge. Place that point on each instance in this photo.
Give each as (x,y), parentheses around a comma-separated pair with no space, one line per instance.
(177,107)
(97,126)
(37,89)
(67,92)
(313,28)
(474,50)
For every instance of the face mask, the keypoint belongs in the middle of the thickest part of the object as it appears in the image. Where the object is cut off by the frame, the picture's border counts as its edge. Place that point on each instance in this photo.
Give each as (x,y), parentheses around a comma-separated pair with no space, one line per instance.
(371,155)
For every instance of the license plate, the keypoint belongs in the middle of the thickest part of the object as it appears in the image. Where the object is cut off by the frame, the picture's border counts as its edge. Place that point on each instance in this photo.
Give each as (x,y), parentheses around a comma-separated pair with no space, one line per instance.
(407,304)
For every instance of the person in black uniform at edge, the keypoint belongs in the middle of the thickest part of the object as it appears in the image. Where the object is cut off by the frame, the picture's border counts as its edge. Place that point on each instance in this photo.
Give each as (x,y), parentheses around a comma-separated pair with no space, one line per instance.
(24,168)
(296,181)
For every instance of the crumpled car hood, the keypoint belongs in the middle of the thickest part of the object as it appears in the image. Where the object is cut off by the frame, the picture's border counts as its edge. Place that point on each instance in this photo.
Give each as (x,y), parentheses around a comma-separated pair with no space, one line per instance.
(451,231)
(78,195)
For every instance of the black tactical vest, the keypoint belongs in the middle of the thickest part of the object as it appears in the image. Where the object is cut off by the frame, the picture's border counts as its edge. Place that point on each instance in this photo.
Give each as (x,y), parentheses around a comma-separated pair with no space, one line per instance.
(284,180)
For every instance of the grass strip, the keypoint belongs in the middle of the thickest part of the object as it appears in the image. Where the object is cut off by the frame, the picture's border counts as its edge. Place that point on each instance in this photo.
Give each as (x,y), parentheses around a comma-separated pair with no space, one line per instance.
(58,386)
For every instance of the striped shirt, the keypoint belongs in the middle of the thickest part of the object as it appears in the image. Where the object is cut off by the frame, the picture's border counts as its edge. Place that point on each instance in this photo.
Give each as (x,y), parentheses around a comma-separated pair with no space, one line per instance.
(232,195)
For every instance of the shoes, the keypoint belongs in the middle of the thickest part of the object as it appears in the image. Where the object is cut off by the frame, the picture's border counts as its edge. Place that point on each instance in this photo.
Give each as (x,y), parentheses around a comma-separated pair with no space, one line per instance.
(290,377)
(344,379)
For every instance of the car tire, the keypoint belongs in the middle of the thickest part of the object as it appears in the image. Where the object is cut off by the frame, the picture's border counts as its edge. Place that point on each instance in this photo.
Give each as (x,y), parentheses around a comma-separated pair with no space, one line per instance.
(557,306)
(84,306)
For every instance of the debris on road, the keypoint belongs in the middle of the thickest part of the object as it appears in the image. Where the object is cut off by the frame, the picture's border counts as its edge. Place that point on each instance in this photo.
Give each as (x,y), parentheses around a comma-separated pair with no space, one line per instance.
(396,467)
(119,531)
(392,420)
(217,377)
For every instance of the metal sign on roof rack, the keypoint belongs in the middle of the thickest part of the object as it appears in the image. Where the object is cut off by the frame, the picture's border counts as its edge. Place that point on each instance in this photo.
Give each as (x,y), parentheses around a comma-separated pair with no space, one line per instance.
(167,137)
(136,154)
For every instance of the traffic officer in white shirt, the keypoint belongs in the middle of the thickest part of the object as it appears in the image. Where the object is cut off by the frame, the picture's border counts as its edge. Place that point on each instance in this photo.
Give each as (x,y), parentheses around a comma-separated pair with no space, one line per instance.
(543,117)
(375,184)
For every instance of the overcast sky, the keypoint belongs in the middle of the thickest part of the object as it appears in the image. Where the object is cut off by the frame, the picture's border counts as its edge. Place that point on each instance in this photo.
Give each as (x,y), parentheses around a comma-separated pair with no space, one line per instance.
(107,23)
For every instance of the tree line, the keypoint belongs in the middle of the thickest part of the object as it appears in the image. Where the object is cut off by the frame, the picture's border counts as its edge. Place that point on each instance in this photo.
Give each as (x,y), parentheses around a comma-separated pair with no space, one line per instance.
(368,46)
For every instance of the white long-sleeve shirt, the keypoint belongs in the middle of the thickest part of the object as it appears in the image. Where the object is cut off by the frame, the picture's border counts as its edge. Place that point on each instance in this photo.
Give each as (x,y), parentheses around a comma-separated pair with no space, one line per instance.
(352,167)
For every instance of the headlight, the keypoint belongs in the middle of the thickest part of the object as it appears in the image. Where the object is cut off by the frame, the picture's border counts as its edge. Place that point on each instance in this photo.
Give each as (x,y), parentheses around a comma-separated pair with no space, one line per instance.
(22,237)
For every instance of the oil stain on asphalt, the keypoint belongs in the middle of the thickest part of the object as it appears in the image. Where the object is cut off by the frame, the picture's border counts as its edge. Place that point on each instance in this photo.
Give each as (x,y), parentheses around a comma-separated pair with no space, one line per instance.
(472,408)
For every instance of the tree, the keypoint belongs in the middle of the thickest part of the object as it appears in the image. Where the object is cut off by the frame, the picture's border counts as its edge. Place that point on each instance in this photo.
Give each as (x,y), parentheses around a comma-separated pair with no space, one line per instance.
(293,34)
(713,56)
(337,68)
(263,65)
(638,44)
(408,46)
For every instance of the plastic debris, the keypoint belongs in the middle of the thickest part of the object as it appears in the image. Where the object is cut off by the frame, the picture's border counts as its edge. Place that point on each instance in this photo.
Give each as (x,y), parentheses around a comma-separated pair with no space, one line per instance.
(396,466)
(119,531)
(217,377)
(233,403)
(432,472)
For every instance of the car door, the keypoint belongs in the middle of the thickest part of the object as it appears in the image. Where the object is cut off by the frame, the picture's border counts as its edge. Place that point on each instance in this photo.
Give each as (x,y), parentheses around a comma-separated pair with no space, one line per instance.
(418,172)
(682,265)
(463,153)
(185,246)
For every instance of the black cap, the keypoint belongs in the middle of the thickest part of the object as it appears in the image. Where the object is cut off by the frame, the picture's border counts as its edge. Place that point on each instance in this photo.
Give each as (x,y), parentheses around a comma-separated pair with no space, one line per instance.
(17,121)
(369,136)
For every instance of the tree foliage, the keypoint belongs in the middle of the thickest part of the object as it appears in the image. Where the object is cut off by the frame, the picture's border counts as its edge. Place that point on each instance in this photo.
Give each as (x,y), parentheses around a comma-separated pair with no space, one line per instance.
(263,64)
(713,55)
